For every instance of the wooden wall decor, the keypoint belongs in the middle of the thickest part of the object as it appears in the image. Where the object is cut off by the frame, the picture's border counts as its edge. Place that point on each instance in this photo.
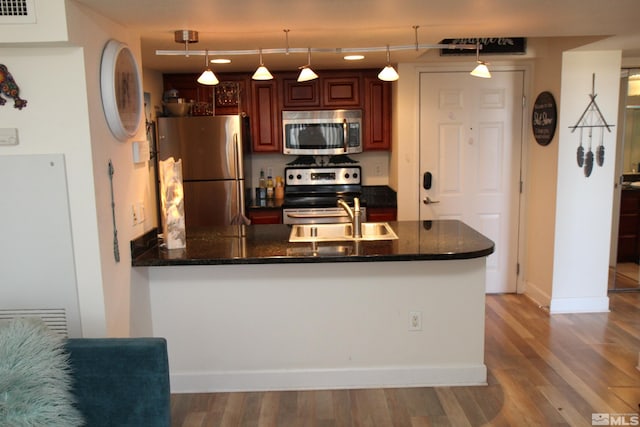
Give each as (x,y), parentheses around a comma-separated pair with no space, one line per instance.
(9,88)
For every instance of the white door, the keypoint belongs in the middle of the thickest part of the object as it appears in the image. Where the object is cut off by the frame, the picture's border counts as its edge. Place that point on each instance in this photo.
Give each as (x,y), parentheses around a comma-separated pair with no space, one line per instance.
(470,143)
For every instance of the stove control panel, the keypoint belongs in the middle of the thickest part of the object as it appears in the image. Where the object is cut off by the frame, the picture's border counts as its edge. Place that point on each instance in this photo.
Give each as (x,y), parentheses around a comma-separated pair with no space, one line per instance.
(323,175)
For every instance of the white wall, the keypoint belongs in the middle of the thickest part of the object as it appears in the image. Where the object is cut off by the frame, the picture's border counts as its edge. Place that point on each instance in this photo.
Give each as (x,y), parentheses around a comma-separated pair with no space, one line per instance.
(55,120)
(131,182)
(540,181)
(64,115)
(584,205)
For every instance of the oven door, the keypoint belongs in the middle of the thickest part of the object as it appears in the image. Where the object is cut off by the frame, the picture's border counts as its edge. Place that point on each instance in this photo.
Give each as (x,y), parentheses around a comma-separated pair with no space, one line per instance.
(318,215)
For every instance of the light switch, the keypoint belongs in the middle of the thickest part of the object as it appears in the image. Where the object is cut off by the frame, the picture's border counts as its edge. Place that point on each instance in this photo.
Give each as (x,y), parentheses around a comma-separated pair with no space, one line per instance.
(140,151)
(8,136)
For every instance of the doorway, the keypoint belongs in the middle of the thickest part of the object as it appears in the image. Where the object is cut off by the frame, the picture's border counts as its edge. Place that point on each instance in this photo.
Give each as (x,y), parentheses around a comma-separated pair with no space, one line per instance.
(625,258)
(471,133)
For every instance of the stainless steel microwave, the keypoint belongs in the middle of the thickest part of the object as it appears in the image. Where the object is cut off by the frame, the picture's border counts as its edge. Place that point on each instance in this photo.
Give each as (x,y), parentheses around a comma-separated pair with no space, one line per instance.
(322,132)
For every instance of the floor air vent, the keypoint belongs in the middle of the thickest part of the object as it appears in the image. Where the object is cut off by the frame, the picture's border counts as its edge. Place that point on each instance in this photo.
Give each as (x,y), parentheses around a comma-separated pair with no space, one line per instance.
(54,318)
(17,12)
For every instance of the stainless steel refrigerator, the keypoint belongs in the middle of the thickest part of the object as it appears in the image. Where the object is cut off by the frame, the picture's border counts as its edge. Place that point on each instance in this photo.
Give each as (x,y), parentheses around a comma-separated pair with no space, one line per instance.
(215,176)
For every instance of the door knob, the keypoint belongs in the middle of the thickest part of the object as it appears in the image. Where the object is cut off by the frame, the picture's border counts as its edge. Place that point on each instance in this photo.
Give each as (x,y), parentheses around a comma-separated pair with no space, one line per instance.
(427,201)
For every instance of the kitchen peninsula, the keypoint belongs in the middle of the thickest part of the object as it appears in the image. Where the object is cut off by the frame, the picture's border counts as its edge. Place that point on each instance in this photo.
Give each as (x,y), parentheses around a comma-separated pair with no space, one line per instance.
(242,308)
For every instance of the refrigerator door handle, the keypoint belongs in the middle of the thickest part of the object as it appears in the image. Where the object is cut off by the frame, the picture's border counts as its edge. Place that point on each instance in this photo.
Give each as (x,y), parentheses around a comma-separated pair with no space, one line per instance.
(239,173)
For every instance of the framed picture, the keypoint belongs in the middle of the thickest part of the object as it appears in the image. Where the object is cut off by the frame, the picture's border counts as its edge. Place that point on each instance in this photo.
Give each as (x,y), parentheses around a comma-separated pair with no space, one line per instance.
(121,89)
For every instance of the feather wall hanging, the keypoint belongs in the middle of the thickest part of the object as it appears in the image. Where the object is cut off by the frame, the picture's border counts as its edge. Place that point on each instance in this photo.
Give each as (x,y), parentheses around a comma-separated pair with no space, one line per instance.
(589,122)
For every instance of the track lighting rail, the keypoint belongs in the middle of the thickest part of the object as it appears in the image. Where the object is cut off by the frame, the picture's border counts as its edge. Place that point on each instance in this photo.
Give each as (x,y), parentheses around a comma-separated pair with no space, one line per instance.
(336,50)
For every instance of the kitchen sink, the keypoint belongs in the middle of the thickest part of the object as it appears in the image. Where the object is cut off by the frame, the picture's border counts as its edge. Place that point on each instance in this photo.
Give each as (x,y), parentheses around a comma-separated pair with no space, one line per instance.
(340,232)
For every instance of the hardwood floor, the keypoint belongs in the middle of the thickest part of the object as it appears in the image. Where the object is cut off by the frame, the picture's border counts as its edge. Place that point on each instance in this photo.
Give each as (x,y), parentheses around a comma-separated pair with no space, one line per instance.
(542,370)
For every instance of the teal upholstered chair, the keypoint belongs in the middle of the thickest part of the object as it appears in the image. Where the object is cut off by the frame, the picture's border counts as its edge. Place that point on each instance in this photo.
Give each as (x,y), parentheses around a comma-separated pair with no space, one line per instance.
(121,381)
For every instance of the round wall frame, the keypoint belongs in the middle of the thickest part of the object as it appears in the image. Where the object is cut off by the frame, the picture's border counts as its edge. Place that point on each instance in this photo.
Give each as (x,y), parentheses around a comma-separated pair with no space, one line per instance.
(121,89)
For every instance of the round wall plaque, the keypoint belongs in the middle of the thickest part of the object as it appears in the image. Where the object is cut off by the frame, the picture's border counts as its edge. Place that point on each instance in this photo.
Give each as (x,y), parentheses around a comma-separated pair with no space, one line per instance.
(544,118)
(121,89)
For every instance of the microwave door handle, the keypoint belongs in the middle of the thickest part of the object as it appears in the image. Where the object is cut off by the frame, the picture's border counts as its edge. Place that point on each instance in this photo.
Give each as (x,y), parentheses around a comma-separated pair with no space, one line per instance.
(345,134)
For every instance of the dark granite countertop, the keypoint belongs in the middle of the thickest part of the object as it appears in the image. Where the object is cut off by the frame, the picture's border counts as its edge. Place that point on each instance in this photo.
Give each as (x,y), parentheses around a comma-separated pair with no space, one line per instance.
(269,244)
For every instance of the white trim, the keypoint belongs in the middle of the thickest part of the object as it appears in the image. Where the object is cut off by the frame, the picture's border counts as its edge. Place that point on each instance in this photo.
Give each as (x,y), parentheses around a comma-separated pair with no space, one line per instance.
(536,294)
(324,379)
(579,305)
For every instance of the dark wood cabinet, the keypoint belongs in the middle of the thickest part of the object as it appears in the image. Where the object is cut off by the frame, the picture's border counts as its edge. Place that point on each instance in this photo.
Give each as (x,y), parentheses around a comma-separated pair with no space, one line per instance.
(265,117)
(299,95)
(265,216)
(629,227)
(377,114)
(381,214)
(341,91)
(264,101)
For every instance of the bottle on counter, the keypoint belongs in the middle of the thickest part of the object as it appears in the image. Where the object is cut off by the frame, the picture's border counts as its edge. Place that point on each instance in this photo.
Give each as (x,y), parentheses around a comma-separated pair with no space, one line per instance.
(270,187)
(262,186)
(279,188)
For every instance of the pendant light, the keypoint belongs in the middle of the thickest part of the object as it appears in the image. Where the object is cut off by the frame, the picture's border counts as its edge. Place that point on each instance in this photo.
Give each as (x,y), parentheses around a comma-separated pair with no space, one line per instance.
(207,77)
(388,73)
(481,69)
(262,73)
(306,73)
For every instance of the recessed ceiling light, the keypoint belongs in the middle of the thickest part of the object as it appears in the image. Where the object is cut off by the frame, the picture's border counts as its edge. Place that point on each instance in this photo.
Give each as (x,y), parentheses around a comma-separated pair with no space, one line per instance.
(354,57)
(220,61)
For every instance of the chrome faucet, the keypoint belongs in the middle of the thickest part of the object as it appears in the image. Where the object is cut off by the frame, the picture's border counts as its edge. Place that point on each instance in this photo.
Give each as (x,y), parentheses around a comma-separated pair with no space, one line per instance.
(354,216)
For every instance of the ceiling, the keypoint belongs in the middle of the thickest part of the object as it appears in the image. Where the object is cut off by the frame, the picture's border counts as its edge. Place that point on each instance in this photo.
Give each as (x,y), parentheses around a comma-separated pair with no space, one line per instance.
(254,24)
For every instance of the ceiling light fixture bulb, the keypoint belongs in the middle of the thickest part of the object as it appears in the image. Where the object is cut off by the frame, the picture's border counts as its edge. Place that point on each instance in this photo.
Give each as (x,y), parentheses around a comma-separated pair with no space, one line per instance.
(354,57)
(262,73)
(481,69)
(306,73)
(388,73)
(207,77)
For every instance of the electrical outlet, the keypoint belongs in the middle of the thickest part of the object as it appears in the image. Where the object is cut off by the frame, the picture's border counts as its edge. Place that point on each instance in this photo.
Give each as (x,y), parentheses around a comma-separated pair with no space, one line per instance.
(415,321)
(377,169)
(137,213)
(134,215)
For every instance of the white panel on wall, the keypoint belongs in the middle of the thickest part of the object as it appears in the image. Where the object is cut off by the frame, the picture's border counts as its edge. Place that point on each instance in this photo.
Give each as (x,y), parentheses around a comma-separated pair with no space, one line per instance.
(37,269)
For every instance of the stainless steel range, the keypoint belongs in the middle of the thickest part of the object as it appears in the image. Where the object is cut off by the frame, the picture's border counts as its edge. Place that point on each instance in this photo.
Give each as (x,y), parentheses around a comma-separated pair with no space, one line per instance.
(311,193)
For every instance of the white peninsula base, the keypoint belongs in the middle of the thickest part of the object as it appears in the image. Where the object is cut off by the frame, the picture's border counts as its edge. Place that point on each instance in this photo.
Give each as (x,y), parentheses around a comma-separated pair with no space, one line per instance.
(320,325)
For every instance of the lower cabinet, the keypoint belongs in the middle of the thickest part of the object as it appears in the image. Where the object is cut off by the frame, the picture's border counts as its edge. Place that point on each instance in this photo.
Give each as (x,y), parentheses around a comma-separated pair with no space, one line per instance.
(629,227)
(265,216)
(382,214)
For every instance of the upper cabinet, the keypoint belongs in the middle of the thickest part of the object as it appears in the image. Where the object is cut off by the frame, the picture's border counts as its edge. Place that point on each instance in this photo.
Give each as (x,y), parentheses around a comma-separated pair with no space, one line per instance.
(265,117)
(264,101)
(303,95)
(377,114)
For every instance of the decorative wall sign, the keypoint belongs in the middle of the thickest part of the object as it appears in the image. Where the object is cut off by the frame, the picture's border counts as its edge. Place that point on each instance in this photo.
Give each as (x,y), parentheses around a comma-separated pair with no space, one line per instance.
(590,120)
(490,45)
(9,88)
(227,94)
(121,88)
(544,118)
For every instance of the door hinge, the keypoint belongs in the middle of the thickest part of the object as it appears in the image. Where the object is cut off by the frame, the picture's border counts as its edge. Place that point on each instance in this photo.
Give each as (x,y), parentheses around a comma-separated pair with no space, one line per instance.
(524,101)
(517,269)
(521,185)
